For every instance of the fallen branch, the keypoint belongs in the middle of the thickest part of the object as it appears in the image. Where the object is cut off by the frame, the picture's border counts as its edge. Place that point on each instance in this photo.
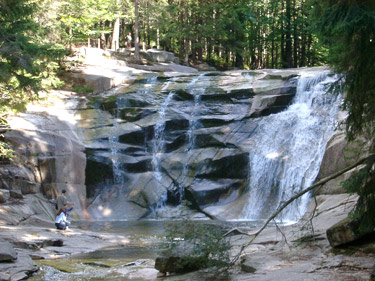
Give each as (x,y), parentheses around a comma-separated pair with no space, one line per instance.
(286,203)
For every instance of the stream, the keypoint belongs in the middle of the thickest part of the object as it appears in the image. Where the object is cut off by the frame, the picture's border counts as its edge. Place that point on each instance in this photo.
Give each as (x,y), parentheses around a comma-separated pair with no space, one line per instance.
(134,260)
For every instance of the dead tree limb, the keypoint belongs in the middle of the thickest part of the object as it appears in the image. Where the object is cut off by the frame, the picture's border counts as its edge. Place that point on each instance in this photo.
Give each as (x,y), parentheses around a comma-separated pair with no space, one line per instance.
(296,196)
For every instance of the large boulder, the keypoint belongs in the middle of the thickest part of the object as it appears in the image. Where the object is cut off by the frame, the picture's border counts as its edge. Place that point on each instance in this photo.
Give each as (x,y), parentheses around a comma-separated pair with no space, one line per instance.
(160,55)
(180,260)
(344,232)
(338,155)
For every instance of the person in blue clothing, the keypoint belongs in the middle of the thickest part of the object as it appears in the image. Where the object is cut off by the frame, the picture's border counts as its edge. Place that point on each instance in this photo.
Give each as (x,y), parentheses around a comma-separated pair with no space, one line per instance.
(61,221)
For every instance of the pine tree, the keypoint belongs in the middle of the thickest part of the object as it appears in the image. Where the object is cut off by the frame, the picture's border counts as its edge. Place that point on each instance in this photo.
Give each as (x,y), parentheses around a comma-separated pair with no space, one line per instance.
(347,27)
(26,64)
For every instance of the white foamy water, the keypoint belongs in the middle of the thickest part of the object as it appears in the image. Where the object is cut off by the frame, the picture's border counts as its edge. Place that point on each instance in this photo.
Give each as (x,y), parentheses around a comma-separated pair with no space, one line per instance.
(288,148)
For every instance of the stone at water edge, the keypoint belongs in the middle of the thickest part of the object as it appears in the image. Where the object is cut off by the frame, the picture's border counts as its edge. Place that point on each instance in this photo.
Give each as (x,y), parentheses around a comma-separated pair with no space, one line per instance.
(16,194)
(7,252)
(248,264)
(344,232)
(180,260)
(4,196)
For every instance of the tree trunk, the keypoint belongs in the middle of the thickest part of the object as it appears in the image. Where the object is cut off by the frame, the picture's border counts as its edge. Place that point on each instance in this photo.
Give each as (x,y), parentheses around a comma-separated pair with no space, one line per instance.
(136,39)
(295,35)
(186,37)
(288,38)
(116,31)
(157,38)
(116,35)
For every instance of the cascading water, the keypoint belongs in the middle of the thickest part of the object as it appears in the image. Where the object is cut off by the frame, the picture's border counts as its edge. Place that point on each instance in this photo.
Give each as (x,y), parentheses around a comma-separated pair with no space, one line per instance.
(159,142)
(193,121)
(288,148)
(196,90)
(190,134)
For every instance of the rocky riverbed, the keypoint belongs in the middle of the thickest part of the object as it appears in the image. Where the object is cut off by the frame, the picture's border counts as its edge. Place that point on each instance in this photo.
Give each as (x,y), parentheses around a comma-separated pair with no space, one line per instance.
(291,252)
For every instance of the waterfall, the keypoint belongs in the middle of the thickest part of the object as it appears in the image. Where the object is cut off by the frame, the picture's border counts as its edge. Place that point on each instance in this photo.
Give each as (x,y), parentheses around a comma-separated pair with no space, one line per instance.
(196,90)
(193,121)
(288,148)
(158,142)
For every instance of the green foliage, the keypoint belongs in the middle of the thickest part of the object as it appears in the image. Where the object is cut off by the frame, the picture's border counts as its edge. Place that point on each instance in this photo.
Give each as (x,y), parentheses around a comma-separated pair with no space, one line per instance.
(82,89)
(82,19)
(207,241)
(28,63)
(362,183)
(348,30)
(6,152)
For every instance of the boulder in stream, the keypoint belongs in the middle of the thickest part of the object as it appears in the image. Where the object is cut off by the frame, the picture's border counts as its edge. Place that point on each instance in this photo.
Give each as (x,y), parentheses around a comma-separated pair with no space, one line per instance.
(180,260)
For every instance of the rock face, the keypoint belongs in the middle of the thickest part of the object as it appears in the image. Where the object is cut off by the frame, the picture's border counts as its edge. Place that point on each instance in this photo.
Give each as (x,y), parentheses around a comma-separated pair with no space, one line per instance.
(173,136)
(51,156)
(165,138)
(340,154)
(166,135)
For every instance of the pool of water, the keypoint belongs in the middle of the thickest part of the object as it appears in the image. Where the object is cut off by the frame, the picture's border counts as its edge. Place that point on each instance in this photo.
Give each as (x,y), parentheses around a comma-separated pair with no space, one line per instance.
(133,261)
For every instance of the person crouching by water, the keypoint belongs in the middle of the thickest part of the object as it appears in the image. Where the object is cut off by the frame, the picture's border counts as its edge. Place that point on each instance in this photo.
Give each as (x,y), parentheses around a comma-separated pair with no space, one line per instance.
(61,221)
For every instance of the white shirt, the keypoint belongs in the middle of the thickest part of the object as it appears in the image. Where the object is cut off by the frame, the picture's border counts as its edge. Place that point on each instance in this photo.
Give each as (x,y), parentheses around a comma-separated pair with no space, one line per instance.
(61,218)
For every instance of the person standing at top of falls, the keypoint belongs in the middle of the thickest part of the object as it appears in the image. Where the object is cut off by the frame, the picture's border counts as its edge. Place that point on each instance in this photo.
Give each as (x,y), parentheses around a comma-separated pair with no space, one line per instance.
(129,40)
(61,201)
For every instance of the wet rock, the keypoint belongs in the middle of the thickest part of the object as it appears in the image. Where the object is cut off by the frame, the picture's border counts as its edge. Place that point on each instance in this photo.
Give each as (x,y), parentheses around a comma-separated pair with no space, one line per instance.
(20,269)
(182,95)
(7,252)
(4,276)
(225,163)
(180,260)
(97,264)
(269,104)
(133,114)
(138,137)
(15,194)
(4,195)
(372,277)
(221,191)
(131,200)
(214,122)
(344,232)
